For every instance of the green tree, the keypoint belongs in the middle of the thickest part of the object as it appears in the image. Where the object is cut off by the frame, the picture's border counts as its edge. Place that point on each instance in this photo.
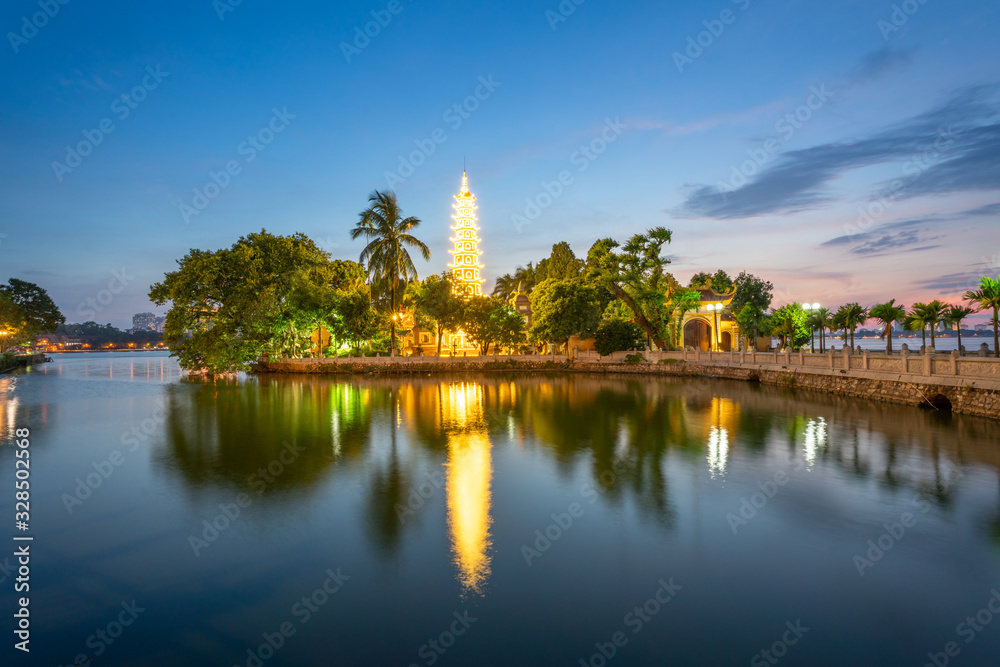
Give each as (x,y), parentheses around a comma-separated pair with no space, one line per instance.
(681,302)
(953,318)
(231,306)
(12,323)
(791,324)
(435,299)
(636,276)
(562,263)
(888,314)
(722,283)
(39,314)
(492,322)
(849,317)
(927,316)
(754,323)
(618,335)
(389,235)
(987,297)
(700,280)
(822,319)
(751,290)
(563,308)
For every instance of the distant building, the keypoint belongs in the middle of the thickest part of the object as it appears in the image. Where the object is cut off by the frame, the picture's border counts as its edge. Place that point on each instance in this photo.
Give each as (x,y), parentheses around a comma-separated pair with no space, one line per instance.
(984,327)
(160,321)
(144,322)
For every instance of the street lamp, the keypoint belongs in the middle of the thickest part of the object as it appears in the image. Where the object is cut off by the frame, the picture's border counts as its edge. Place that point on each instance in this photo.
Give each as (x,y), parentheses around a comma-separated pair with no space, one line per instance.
(814,307)
(3,347)
(716,308)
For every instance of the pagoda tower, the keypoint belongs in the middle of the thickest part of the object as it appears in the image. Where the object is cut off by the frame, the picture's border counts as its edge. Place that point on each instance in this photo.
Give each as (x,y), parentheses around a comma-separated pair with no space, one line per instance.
(465,268)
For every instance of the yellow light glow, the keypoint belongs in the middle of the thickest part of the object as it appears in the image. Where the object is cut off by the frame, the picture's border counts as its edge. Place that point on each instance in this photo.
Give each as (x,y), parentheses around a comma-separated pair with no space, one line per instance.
(466,267)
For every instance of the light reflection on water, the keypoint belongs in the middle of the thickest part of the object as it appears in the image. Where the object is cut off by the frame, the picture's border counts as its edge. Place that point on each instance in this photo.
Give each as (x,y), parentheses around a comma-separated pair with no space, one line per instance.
(669,460)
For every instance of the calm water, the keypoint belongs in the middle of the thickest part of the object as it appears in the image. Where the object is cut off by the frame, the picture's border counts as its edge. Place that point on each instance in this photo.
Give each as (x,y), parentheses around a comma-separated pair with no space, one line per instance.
(692,522)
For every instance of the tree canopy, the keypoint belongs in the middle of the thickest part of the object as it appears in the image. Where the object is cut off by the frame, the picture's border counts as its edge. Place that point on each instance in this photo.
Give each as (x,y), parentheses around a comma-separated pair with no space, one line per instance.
(26,310)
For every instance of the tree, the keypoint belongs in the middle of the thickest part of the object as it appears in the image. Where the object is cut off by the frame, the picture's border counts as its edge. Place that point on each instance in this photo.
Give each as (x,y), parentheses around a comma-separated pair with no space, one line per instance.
(823,320)
(386,256)
(562,263)
(849,317)
(915,321)
(928,316)
(888,314)
(39,314)
(12,323)
(754,323)
(618,335)
(954,316)
(636,276)
(435,299)
(563,308)
(722,283)
(751,290)
(790,323)
(231,306)
(492,322)
(987,297)
(681,302)
(700,280)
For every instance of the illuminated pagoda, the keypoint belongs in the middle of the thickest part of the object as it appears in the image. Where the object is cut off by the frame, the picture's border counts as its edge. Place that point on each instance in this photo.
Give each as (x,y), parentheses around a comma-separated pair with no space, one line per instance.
(465,268)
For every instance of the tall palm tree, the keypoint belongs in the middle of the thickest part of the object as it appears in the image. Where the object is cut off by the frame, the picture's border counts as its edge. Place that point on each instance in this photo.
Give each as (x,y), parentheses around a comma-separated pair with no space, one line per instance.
(888,313)
(916,320)
(388,235)
(824,321)
(838,322)
(954,316)
(933,314)
(856,316)
(988,297)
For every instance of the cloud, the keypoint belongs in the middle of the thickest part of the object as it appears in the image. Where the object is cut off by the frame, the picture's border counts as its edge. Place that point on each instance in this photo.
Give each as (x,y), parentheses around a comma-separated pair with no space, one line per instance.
(989,209)
(951,148)
(907,229)
(879,63)
(951,283)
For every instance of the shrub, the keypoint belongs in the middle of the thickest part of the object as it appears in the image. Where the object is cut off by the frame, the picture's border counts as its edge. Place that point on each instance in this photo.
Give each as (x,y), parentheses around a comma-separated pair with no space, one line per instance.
(634,359)
(618,336)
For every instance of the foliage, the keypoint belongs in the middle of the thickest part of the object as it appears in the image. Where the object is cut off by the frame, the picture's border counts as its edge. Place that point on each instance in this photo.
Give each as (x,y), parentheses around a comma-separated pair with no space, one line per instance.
(719,281)
(635,275)
(507,285)
(754,323)
(682,302)
(849,317)
(791,325)
(28,311)
(434,300)
(926,316)
(7,360)
(634,359)
(987,297)
(751,290)
(492,322)
(102,335)
(563,308)
(618,335)
(887,314)
(386,257)
(231,306)
(954,316)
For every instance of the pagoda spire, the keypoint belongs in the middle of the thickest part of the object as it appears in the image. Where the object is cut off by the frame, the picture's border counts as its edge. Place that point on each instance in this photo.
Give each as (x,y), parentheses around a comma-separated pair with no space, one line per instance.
(465,268)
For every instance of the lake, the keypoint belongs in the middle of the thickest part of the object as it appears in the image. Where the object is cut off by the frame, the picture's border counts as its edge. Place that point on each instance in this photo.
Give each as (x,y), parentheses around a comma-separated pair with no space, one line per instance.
(494,520)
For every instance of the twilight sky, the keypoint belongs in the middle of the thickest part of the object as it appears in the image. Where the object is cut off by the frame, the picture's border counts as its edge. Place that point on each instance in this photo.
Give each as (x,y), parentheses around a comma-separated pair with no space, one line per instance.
(844,150)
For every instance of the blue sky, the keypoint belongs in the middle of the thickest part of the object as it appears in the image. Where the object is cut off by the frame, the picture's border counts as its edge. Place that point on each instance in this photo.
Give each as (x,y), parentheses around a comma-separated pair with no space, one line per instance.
(845,151)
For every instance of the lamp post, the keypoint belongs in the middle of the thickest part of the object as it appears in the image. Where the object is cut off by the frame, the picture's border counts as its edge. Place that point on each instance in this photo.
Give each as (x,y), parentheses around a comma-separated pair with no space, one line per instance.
(811,308)
(715,308)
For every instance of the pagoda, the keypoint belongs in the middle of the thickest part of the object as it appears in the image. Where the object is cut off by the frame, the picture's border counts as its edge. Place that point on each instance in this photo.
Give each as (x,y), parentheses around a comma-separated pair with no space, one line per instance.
(465,268)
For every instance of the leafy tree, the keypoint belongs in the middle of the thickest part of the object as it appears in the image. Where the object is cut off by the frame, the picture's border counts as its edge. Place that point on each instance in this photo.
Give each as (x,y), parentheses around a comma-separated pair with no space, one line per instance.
(987,297)
(751,290)
(791,324)
(926,316)
(492,322)
(618,335)
(231,306)
(681,302)
(954,316)
(435,299)
(754,323)
(38,313)
(722,283)
(887,314)
(563,308)
(700,280)
(386,256)
(636,276)
(562,263)
(849,317)
(12,323)
(821,320)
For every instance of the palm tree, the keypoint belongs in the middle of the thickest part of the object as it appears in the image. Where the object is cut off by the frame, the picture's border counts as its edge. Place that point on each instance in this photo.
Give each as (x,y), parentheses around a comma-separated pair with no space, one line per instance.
(856,316)
(386,257)
(987,297)
(888,313)
(931,315)
(824,321)
(838,321)
(916,321)
(954,316)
